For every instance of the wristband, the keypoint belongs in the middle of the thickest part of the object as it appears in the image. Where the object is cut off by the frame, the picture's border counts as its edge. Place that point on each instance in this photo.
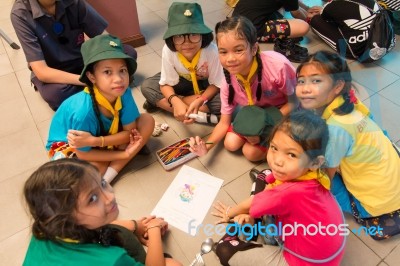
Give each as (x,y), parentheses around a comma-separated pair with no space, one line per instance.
(170,98)
(205,100)
(102,141)
(154,226)
(135,223)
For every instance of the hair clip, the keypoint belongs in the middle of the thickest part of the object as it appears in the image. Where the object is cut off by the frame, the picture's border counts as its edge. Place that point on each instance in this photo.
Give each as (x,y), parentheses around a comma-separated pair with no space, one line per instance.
(187,13)
(352,96)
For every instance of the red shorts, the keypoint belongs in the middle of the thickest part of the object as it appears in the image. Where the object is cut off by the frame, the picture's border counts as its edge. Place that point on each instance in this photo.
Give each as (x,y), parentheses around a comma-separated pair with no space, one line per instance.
(261,147)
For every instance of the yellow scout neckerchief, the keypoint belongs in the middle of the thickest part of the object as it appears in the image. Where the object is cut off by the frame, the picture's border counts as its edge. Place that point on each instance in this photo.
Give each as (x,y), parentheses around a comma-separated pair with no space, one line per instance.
(338,101)
(191,66)
(246,82)
(106,104)
(320,176)
(67,240)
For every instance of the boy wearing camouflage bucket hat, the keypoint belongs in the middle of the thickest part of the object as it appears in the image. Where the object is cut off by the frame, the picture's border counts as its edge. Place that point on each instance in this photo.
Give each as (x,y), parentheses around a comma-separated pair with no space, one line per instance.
(191,73)
(101,124)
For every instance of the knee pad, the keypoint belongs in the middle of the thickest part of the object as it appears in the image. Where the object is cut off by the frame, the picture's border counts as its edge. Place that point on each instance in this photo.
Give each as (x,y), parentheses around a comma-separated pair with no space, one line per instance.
(274,29)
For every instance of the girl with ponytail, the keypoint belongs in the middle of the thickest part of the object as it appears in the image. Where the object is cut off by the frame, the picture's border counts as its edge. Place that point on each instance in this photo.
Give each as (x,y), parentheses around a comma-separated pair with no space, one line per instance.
(252,78)
(368,185)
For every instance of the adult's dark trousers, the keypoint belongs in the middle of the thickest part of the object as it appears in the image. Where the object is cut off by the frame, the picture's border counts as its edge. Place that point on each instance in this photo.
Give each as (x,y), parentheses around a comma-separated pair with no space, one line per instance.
(330,34)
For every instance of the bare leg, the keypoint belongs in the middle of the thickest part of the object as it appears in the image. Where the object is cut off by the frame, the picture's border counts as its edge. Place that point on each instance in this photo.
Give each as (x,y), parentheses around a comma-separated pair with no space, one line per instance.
(233,142)
(298,28)
(253,153)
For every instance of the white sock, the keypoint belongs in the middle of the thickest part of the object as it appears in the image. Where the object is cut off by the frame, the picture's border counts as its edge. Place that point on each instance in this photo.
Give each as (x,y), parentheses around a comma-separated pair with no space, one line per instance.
(110,174)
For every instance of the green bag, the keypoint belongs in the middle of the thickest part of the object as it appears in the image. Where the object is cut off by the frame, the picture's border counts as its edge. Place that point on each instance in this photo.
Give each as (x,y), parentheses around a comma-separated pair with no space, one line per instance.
(252,120)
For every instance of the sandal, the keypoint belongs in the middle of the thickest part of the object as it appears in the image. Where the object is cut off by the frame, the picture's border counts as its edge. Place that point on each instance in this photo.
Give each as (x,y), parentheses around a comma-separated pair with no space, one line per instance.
(291,50)
(150,108)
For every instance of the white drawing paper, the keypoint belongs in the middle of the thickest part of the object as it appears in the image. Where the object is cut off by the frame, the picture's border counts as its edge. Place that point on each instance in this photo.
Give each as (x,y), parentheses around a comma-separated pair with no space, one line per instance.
(187,200)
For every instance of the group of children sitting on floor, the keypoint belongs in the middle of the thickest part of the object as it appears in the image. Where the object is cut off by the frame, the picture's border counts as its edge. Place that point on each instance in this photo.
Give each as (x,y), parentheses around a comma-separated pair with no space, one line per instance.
(325,152)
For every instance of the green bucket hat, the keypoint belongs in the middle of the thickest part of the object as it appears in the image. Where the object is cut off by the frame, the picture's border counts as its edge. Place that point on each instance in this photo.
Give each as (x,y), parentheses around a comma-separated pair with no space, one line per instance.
(252,120)
(184,18)
(104,47)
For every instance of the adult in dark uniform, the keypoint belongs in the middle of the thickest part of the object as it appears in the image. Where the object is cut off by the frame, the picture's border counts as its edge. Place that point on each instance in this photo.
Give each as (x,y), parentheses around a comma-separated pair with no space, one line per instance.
(51,33)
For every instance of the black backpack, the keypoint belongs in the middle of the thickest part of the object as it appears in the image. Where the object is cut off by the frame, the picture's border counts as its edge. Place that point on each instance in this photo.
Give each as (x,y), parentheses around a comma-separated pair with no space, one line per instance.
(381,36)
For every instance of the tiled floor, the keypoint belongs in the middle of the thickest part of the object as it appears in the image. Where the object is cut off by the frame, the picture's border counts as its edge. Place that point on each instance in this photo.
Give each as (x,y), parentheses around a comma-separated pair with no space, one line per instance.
(25,118)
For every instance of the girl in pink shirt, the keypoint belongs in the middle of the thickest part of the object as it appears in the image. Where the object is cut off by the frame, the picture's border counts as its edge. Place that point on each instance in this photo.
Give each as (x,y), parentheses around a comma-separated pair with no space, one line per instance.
(264,79)
(308,221)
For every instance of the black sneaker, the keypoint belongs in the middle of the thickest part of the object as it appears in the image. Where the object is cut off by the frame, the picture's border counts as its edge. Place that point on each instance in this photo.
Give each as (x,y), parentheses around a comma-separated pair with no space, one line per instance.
(292,51)
(149,107)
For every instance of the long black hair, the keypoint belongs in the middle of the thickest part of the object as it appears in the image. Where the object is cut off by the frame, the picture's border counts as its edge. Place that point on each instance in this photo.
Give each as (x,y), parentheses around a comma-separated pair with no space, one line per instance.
(245,30)
(336,66)
(90,68)
(309,130)
(51,194)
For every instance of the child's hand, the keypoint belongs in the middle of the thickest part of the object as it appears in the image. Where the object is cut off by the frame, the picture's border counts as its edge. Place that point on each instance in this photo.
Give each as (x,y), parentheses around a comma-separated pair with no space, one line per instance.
(198,146)
(243,219)
(158,221)
(135,141)
(312,11)
(141,228)
(79,139)
(253,140)
(194,106)
(221,211)
(180,110)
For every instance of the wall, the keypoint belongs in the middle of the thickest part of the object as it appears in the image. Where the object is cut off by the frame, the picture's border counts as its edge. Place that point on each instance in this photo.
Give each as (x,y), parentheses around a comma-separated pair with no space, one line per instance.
(122,18)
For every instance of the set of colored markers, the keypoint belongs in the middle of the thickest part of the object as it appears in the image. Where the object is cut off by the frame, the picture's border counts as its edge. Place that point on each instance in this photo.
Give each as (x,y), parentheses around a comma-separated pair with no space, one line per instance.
(175,154)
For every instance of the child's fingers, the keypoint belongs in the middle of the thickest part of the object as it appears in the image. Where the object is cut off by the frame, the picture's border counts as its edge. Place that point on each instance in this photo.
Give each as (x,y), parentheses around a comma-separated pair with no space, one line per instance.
(219,205)
(221,221)
(148,218)
(188,121)
(135,132)
(217,214)
(192,142)
(199,140)
(73,132)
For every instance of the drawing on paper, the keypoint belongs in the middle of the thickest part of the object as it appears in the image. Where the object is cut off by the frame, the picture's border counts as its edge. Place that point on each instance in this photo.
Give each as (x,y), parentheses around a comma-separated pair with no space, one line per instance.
(187,193)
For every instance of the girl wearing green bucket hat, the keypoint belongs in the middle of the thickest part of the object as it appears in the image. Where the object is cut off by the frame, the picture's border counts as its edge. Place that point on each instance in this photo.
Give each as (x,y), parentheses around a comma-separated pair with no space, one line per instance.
(101,124)
(191,73)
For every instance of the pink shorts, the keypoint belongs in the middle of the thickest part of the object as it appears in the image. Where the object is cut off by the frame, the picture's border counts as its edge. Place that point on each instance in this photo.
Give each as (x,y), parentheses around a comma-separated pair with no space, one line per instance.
(261,147)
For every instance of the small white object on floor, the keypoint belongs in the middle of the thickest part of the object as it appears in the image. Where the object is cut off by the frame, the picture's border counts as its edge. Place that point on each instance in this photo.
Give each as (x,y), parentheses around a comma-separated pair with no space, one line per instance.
(164,126)
(156,131)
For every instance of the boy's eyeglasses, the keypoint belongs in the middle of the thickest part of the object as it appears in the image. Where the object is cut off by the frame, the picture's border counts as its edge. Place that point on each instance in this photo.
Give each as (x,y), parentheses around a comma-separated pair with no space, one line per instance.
(58,29)
(180,39)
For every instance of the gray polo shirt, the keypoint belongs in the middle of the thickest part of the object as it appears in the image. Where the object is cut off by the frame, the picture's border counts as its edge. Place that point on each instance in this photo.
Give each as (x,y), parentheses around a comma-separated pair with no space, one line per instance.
(58,39)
